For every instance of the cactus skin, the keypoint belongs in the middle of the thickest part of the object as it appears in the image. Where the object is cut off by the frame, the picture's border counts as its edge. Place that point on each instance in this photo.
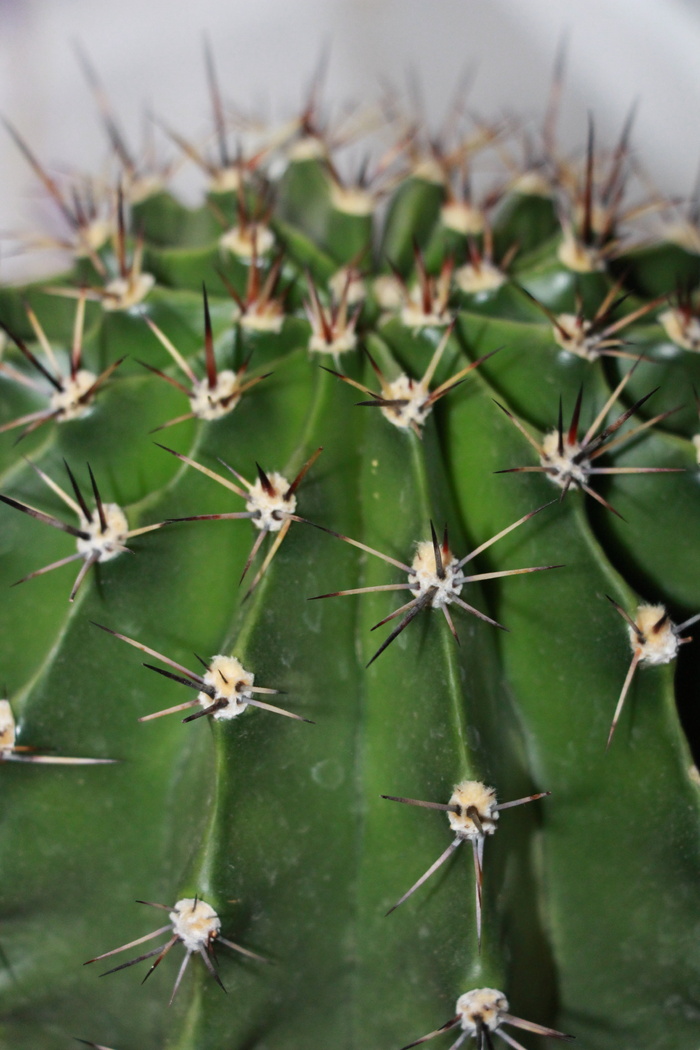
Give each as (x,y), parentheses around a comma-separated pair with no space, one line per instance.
(590,897)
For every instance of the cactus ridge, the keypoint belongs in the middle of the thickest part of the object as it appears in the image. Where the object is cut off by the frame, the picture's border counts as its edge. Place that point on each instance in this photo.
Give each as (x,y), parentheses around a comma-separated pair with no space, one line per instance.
(232,322)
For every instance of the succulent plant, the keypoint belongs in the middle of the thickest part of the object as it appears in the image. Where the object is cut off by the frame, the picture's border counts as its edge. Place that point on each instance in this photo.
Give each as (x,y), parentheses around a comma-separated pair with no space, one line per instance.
(469,326)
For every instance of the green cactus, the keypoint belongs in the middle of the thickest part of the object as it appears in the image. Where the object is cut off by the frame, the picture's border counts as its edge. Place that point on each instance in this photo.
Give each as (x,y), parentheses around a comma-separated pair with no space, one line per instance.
(278,828)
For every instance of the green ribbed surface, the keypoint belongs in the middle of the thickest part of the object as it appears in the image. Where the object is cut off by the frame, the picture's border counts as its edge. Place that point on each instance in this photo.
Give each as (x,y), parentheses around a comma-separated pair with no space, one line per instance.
(591,912)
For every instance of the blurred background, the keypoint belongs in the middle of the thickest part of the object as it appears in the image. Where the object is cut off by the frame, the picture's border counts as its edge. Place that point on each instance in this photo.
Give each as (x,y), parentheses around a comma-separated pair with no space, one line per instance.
(149,56)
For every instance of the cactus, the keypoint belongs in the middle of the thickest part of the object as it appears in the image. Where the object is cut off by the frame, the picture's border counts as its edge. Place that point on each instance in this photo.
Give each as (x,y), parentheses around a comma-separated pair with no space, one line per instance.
(518,332)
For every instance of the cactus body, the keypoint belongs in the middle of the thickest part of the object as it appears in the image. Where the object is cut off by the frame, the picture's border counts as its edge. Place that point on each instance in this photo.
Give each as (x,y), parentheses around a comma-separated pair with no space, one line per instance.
(590,897)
